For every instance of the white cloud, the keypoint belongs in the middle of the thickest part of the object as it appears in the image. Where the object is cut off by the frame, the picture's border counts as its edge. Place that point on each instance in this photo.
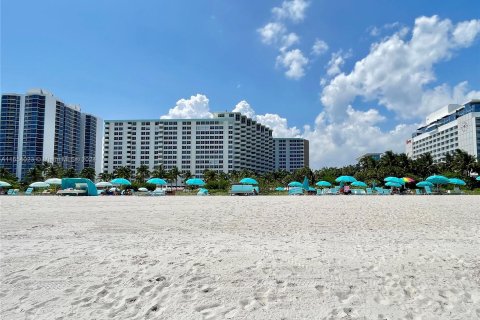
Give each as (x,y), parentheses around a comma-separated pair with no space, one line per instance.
(294,62)
(275,122)
(244,108)
(340,143)
(195,107)
(272,32)
(377,31)
(336,62)
(397,71)
(291,9)
(319,47)
(289,40)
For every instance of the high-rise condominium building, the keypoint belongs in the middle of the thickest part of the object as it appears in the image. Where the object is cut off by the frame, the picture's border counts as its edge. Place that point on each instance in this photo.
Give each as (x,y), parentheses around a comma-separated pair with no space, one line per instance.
(451,127)
(229,141)
(291,153)
(37,127)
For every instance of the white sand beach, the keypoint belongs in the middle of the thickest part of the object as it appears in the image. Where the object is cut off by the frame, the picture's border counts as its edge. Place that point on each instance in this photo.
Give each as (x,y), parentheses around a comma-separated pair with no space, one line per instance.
(329,257)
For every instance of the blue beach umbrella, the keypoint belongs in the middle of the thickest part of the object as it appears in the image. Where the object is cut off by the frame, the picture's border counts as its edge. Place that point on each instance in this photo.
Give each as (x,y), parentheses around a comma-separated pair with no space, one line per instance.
(438,180)
(295,184)
(423,184)
(393,184)
(120,182)
(456,181)
(323,184)
(249,181)
(305,184)
(195,182)
(157,181)
(359,184)
(345,179)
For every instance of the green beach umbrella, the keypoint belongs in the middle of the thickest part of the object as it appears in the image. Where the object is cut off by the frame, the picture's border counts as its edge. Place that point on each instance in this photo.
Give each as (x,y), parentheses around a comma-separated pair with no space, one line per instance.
(456,181)
(249,181)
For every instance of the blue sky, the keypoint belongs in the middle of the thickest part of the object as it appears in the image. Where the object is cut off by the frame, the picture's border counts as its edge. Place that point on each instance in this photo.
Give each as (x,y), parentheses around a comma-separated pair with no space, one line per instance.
(124,59)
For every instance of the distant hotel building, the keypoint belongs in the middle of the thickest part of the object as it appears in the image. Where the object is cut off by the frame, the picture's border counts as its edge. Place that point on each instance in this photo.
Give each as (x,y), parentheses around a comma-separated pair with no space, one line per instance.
(37,127)
(291,153)
(227,142)
(374,155)
(451,127)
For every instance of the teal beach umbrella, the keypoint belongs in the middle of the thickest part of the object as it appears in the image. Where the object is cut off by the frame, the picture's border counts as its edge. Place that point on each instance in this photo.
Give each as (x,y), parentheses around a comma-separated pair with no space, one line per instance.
(393,184)
(458,182)
(195,182)
(295,184)
(359,184)
(157,181)
(423,184)
(120,182)
(345,179)
(323,184)
(249,181)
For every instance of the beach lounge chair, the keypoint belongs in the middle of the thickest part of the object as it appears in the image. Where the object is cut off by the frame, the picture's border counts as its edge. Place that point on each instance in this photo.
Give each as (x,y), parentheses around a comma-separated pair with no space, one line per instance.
(418,192)
(29,191)
(295,191)
(428,190)
(369,191)
(320,192)
(379,190)
(387,191)
(243,189)
(158,192)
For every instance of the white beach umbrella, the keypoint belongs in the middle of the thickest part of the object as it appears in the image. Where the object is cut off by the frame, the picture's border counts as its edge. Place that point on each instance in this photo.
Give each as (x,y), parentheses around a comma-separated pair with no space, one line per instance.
(103,184)
(5,184)
(39,184)
(54,181)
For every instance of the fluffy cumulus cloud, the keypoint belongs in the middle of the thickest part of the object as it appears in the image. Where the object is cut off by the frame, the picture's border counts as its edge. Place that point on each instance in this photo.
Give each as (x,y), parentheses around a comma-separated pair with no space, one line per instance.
(294,62)
(319,47)
(275,33)
(278,124)
(336,62)
(195,107)
(293,10)
(398,72)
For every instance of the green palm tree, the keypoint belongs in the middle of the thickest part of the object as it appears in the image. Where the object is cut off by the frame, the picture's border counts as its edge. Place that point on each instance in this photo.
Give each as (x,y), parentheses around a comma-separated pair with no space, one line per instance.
(88,173)
(159,172)
(123,172)
(174,173)
(143,173)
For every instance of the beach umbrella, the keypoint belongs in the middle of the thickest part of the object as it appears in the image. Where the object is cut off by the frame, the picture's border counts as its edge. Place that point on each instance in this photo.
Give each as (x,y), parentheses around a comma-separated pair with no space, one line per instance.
(295,184)
(54,181)
(408,180)
(478,178)
(157,181)
(248,181)
(393,184)
(120,182)
(438,180)
(305,184)
(323,184)
(39,184)
(279,189)
(195,182)
(312,189)
(458,182)
(359,184)
(394,179)
(345,179)
(114,189)
(143,189)
(5,184)
(423,184)
(103,184)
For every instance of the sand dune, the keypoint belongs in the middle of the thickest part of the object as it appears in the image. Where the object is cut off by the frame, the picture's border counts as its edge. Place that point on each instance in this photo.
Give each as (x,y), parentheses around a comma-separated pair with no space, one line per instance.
(330,257)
